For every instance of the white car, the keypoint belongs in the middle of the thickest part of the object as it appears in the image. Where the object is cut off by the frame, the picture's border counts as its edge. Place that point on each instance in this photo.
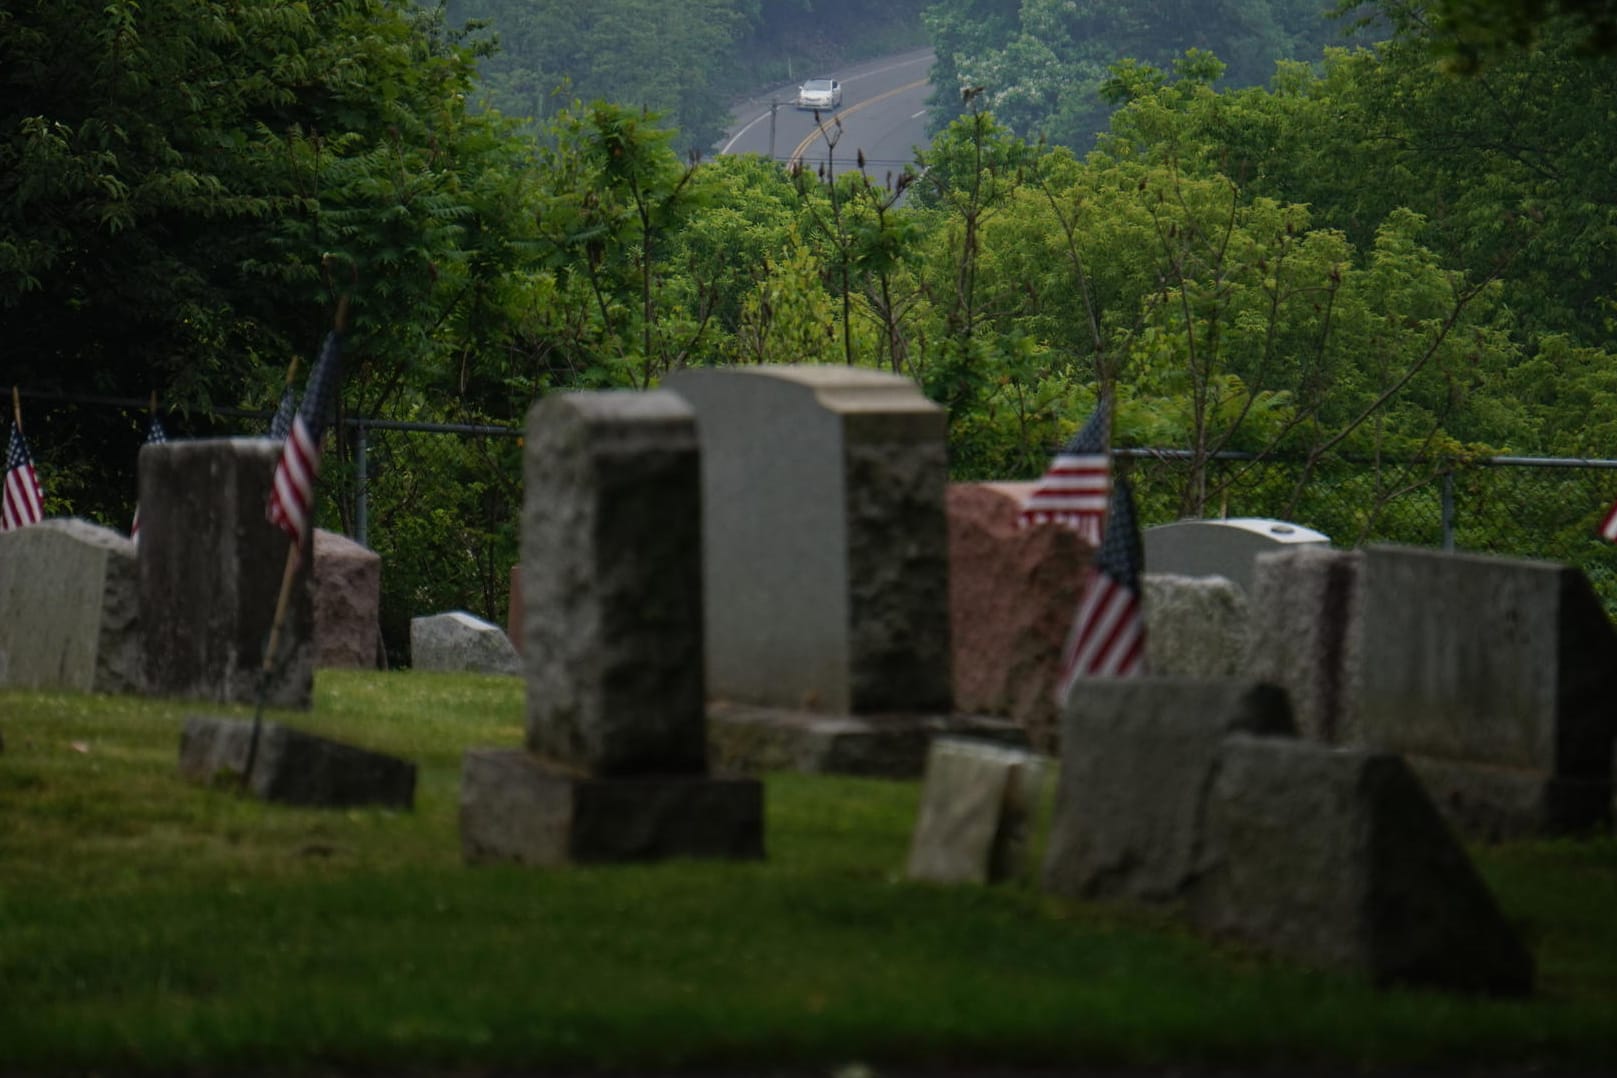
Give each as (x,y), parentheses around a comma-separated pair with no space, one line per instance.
(821,94)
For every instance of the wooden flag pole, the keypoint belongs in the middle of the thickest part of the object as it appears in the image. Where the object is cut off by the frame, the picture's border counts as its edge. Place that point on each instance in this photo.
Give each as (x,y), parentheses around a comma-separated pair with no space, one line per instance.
(16,407)
(291,369)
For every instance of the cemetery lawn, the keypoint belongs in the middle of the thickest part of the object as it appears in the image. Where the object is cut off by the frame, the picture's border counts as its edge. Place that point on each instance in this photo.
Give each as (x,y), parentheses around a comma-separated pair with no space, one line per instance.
(150,925)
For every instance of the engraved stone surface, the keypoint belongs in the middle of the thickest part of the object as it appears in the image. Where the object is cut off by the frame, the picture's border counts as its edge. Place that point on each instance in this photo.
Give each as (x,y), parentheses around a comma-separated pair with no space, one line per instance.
(826,547)
(69,608)
(612,583)
(210,568)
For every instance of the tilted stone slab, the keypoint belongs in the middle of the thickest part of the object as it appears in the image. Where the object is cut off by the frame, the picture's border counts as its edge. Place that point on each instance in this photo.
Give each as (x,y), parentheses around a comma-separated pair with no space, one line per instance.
(69,608)
(826,548)
(978,806)
(750,739)
(1303,612)
(517,807)
(461,642)
(293,767)
(211,567)
(612,583)
(347,594)
(1337,858)
(1494,661)
(1138,756)
(1197,625)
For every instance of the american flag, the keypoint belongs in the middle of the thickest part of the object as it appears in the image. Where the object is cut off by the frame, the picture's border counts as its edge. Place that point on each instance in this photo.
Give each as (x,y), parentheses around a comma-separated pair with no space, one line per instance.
(291,504)
(1108,630)
(24,502)
(281,425)
(1074,488)
(154,436)
(1608,527)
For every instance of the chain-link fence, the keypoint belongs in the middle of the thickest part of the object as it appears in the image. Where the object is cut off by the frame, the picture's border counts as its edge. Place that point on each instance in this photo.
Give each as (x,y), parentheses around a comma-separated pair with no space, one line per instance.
(1531,507)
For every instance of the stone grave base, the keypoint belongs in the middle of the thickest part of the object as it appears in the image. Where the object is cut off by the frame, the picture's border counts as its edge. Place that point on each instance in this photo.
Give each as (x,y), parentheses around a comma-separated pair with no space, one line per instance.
(753,739)
(515,806)
(1495,804)
(293,767)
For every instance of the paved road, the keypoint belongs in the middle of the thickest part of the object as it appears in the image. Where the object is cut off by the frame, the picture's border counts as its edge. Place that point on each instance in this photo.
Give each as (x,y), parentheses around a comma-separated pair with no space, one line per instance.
(882,114)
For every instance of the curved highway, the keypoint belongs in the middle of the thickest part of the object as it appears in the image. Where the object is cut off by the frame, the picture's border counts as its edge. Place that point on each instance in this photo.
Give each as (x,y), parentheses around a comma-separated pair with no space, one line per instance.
(883,115)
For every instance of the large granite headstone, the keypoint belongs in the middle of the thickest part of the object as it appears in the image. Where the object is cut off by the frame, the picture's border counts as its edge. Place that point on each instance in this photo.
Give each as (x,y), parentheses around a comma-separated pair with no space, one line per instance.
(1336,857)
(1221,547)
(826,548)
(978,807)
(211,567)
(461,642)
(616,722)
(1137,757)
(69,608)
(347,602)
(1495,677)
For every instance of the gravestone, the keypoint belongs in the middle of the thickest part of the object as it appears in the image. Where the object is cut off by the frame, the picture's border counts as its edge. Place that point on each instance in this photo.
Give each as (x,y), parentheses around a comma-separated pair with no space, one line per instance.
(69,608)
(210,571)
(1012,593)
(978,806)
(461,642)
(1337,858)
(1221,547)
(616,727)
(347,602)
(1303,609)
(826,555)
(1137,757)
(292,767)
(1196,625)
(1495,677)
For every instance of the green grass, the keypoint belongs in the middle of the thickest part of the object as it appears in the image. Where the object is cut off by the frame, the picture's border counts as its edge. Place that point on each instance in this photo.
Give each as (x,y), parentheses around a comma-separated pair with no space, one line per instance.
(147,924)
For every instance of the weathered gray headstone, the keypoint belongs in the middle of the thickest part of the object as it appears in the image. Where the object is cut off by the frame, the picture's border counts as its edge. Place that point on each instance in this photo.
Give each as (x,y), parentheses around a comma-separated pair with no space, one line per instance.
(1487,666)
(461,642)
(1221,547)
(826,547)
(978,806)
(1303,609)
(1336,857)
(290,766)
(347,602)
(1137,757)
(1197,625)
(612,581)
(69,608)
(211,566)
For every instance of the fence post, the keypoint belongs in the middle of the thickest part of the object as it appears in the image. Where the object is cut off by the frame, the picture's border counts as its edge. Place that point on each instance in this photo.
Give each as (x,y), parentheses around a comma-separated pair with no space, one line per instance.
(362,524)
(1448,511)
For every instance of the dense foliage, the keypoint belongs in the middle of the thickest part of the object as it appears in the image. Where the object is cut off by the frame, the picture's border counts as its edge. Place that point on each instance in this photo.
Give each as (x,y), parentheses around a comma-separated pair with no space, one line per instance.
(1367,257)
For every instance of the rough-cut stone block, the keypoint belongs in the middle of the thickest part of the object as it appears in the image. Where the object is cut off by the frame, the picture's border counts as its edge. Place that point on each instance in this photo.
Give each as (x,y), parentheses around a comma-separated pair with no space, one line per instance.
(347,602)
(826,545)
(1303,612)
(1221,547)
(750,739)
(1496,661)
(1197,625)
(978,806)
(69,608)
(1337,858)
(460,642)
(293,767)
(1137,756)
(1012,593)
(211,567)
(612,583)
(516,807)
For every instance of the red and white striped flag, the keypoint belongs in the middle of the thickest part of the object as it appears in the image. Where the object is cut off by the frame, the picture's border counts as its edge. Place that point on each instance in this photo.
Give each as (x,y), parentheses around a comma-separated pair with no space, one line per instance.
(291,504)
(1108,630)
(24,501)
(155,435)
(1608,527)
(1074,489)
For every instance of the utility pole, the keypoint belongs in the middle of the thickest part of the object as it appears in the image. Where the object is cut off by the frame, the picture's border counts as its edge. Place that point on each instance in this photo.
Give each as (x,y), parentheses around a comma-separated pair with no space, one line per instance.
(773,105)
